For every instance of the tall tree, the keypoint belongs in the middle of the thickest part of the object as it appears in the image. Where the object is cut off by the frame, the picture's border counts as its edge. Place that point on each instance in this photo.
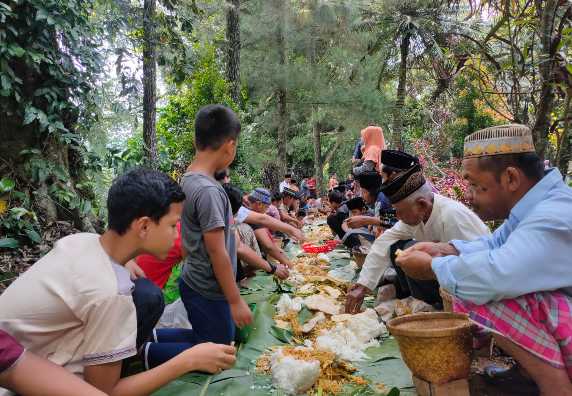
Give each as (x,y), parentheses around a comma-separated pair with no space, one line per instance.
(149,83)
(406,29)
(281,93)
(553,16)
(400,95)
(233,49)
(48,67)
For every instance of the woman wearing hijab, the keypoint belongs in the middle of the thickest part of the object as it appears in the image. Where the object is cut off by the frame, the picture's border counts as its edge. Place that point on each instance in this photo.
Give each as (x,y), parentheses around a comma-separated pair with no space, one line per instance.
(373,144)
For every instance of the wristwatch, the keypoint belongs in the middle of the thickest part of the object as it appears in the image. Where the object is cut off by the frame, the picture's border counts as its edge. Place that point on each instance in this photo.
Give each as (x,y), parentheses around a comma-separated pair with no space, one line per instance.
(272,268)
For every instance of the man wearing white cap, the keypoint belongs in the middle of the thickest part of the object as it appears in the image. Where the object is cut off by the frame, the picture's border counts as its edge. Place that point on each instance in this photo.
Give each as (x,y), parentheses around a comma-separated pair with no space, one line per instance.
(516,283)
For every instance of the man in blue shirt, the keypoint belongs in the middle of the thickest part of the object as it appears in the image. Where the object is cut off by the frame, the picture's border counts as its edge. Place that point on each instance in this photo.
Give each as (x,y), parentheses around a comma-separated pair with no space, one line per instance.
(516,283)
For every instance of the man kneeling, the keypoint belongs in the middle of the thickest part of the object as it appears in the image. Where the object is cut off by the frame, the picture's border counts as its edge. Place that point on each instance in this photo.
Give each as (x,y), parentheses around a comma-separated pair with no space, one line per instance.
(515,283)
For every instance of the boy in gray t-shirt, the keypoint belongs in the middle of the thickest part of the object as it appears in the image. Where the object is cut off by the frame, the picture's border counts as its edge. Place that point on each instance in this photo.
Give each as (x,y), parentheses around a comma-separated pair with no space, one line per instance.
(208,286)
(206,208)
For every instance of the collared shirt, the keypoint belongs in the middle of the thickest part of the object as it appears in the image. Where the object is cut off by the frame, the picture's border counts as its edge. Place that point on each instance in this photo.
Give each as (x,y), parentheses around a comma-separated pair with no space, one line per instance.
(449,219)
(530,252)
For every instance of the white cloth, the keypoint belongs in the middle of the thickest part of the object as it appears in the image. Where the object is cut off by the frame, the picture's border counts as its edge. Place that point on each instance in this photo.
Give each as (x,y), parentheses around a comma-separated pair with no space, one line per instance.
(449,220)
(73,307)
(241,215)
(284,185)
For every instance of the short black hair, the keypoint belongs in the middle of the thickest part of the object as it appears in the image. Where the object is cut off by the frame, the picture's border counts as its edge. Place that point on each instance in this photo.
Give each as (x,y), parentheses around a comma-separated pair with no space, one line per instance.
(220,175)
(340,187)
(356,203)
(287,176)
(214,125)
(336,196)
(370,180)
(234,196)
(276,197)
(138,193)
(529,163)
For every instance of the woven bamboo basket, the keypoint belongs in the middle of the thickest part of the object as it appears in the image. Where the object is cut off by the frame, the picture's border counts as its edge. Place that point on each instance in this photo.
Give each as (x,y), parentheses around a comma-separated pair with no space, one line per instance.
(447,300)
(436,346)
(359,258)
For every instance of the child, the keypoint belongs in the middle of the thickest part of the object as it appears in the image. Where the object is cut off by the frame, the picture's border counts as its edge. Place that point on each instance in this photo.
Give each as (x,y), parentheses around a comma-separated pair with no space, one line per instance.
(358,209)
(74,306)
(259,200)
(208,287)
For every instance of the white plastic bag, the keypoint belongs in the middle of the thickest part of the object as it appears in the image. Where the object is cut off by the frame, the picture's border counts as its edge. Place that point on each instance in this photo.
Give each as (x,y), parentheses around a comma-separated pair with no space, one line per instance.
(174,316)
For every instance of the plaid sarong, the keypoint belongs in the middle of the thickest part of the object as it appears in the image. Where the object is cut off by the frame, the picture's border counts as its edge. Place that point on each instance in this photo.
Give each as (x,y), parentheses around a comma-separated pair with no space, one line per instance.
(540,323)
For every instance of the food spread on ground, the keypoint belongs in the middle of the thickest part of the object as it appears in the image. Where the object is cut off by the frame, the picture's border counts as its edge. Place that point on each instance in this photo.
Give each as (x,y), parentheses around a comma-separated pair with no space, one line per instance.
(302,342)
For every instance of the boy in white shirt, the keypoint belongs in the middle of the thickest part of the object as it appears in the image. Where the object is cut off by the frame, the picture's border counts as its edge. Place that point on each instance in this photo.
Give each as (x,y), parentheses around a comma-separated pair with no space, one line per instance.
(74,306)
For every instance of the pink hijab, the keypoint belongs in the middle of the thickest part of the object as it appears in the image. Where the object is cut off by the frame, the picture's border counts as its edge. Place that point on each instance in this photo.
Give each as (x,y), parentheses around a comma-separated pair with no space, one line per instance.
(373,143)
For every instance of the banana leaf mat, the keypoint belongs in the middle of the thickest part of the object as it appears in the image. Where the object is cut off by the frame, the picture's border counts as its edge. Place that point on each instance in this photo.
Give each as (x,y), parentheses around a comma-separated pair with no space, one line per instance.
(383,365)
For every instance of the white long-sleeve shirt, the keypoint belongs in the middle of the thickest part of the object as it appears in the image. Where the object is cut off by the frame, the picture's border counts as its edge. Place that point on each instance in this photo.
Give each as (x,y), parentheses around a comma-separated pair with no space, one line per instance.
(449,220)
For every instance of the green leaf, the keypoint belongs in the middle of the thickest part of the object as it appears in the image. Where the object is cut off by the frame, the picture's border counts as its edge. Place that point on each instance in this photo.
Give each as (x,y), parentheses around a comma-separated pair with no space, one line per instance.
(18,212)
(304,315)
(8,243)
(30,114)
(34,236)
(569,68)
(5,82)
(394,392)
(16,50)
(6,185)
(282,334)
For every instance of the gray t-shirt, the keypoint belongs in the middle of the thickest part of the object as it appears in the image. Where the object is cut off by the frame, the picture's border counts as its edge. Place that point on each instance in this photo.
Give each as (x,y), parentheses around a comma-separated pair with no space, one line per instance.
(206,208)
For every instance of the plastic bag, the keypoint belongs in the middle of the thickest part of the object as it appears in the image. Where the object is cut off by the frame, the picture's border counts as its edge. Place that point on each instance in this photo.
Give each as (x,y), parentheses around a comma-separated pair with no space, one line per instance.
(174,316)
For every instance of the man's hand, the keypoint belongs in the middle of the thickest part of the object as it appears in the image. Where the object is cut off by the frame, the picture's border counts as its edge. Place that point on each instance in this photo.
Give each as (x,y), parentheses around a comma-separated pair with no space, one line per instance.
(358,221)
(241,313)
(209,357)
(416,264)
(354,298)
(434,249)
(135,271)
(282,272)
(298,235)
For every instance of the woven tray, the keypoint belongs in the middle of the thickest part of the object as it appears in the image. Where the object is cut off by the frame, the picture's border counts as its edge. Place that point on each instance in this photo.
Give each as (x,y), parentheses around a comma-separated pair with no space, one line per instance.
(436,346)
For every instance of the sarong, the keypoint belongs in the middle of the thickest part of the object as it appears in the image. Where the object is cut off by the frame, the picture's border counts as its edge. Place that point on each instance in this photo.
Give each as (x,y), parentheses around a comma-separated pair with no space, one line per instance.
(540,323)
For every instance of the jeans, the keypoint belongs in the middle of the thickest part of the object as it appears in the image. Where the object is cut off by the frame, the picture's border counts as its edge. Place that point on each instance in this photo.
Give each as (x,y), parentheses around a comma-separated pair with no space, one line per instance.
(211,321)
(424,290)
(149,305)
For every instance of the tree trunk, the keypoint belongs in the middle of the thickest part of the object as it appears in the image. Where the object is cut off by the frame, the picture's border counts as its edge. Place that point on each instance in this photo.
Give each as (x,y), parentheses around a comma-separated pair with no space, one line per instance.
(282,130)
(400,97)
(149,84)
(318,165)
(565,152)
(233,49)
(281,91)
(547,11)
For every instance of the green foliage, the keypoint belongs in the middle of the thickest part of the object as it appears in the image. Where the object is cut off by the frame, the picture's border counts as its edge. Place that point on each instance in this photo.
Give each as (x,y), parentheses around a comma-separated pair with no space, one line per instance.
(469,116)
(176,124)
(20,224)
(48,60)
